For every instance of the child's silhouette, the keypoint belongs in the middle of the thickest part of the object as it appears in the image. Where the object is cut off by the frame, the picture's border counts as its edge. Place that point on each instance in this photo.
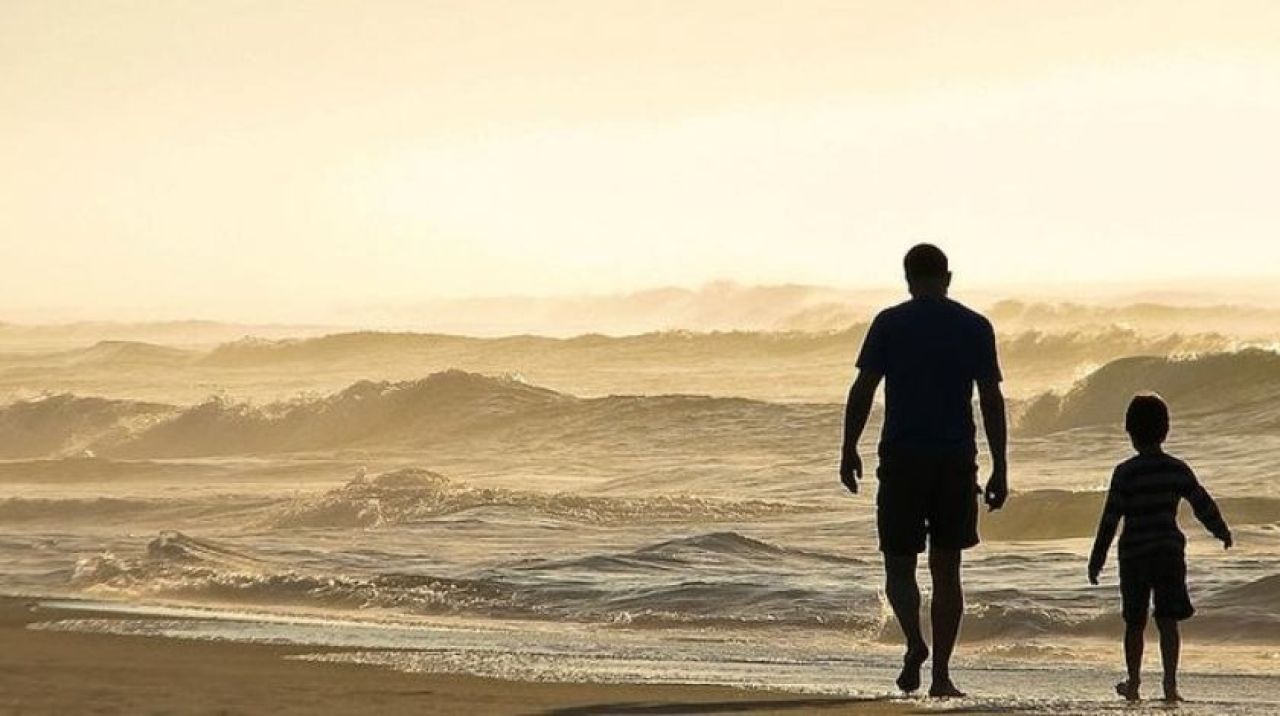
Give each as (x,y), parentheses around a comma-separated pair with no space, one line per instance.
(1145,491)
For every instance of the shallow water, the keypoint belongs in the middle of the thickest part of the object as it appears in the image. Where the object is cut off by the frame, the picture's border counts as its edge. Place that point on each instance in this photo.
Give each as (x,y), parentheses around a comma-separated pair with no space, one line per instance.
(1057,682)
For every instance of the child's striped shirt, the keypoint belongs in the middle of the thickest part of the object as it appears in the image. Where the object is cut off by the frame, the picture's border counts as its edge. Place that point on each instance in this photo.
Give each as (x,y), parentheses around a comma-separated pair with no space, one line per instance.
(1145,491)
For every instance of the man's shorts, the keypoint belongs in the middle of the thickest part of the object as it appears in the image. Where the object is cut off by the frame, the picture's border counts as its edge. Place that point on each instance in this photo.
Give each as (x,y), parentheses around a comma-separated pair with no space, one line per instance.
(1163,574)
(927,499)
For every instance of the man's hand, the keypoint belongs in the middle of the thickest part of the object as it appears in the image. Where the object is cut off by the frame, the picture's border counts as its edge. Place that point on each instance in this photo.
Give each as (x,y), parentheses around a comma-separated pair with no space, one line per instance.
(850,469)
(997,489)
(1227,541)
(856,411)
(1094,571)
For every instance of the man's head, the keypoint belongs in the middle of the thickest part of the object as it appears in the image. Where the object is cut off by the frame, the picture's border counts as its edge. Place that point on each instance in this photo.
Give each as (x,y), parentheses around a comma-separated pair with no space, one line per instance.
(927,271)
(1147,421)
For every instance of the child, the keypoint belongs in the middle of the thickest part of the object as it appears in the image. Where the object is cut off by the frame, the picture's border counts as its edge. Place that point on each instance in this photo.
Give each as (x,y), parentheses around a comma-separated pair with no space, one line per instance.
(1145,491)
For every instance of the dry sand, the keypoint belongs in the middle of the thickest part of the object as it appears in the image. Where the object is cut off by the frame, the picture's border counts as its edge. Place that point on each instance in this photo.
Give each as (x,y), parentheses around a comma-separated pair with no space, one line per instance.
(55,672)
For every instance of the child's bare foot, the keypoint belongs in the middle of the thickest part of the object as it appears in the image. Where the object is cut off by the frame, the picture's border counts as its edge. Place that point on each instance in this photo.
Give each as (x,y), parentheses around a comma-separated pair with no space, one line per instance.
(944,689)
(1129,690)
(1171,694)
(909,679)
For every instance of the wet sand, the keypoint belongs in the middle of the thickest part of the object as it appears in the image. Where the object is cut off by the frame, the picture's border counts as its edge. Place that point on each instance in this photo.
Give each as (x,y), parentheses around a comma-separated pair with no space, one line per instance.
(57,672)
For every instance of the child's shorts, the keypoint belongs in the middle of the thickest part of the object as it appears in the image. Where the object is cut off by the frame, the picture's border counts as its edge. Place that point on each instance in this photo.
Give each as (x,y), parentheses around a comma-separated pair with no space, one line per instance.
(1163,574)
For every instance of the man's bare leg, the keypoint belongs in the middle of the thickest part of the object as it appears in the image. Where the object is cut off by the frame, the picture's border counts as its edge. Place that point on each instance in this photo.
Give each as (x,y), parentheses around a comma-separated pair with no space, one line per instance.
(904,596)
(946,612)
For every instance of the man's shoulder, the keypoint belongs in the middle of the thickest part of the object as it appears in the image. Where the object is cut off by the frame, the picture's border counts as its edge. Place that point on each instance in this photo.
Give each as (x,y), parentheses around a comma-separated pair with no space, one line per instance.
(888,318)
(928,314)
(947,306)
(889,313)
(970,315)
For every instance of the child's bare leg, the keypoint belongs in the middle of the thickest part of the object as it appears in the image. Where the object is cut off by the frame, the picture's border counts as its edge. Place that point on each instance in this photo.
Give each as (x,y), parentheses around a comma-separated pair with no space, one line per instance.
(1133,646)
(1170,649)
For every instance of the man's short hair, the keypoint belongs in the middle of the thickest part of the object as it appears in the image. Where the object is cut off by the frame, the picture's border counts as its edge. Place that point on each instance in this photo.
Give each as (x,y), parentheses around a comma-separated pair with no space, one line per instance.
(1147,419)
(925,261)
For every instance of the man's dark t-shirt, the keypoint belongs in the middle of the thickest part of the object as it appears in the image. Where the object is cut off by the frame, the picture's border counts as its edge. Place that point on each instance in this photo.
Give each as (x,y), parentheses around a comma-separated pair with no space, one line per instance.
(930,352)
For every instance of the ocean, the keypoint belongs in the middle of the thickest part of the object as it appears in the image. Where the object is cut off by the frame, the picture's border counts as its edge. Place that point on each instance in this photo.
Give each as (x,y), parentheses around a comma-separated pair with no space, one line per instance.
(486,524)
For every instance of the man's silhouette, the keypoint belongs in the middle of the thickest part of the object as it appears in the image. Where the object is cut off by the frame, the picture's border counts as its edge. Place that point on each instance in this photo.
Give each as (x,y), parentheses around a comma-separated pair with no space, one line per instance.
(930,351)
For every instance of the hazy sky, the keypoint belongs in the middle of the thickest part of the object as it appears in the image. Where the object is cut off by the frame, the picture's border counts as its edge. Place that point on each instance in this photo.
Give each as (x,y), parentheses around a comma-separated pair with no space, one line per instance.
(272,160)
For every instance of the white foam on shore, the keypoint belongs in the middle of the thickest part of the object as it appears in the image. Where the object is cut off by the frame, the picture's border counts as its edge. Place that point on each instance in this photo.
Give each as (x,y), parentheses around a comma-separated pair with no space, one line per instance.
(788,660)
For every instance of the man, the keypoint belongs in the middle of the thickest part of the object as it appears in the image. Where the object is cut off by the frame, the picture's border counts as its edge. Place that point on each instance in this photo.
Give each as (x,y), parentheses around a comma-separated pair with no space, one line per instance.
(930,351)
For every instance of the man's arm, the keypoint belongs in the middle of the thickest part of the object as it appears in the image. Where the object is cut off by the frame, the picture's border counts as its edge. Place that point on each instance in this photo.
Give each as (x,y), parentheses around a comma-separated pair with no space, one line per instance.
(994,422)
(856,412)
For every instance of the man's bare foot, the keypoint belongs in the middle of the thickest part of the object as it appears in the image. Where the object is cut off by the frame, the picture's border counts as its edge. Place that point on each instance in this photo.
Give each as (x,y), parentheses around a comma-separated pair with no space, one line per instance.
(1129,690)
(1171,694)
(909,679)
(944,689)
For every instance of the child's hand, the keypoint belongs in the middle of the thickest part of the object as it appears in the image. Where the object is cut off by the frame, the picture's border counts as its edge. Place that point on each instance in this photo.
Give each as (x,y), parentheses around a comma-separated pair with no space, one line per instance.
(1227,542)
(1094,571)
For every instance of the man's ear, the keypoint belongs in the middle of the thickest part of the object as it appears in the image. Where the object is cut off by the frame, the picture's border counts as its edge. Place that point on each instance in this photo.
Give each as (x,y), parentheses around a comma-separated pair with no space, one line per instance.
(947,282)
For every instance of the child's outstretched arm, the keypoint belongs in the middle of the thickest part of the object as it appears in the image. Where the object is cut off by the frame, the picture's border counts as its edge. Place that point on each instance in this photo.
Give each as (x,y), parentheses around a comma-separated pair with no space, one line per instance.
(1112,511)
(1207,511)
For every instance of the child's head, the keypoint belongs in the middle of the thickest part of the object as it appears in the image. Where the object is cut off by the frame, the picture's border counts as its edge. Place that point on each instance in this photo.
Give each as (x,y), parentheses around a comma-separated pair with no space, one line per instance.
(1147,420)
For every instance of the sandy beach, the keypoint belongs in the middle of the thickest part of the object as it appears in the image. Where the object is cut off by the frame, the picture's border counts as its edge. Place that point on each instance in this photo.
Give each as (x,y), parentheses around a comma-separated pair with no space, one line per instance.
(53,672)
(580,357)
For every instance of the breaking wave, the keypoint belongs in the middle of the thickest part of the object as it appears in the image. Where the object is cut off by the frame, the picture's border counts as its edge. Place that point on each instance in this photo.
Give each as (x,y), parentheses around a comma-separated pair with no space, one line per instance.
(394,498)
(1149,316)
(441,406)
(182,567)
(723,549)
(719,362)
(688,591)
(810,333)
(1246,381)
(64,424)
(175,566)
(450,408)
(412,494)
(470,411)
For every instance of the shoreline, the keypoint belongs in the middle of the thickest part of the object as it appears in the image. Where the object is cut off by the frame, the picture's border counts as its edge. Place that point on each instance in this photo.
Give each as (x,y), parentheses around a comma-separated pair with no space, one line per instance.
(59,672)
